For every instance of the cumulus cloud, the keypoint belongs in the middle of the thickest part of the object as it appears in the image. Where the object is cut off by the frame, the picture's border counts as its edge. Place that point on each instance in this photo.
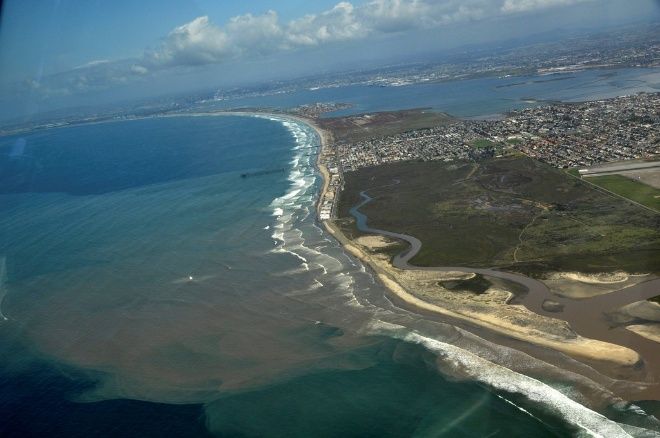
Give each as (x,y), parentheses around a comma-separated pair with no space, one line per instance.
(259,34)
(202,42)
(340,23)
(194,43)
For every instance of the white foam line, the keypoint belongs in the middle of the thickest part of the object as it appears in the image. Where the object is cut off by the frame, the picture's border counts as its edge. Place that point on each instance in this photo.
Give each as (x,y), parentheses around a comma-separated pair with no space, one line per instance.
(504,379)
(302,268)
(3,285)
(520,408)
(298,256)
(293,208)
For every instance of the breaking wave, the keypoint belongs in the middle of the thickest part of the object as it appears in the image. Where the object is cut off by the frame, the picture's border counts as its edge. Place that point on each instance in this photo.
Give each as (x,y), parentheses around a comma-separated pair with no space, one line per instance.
(295,230)
(456,360)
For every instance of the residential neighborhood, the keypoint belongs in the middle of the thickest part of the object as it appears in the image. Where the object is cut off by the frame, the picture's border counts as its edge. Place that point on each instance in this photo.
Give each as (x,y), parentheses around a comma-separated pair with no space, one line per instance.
(562,135)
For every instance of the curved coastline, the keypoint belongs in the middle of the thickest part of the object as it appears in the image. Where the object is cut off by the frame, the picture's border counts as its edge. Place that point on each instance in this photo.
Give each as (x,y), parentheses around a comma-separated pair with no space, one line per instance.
(533,300)
(325,141)
(536,390)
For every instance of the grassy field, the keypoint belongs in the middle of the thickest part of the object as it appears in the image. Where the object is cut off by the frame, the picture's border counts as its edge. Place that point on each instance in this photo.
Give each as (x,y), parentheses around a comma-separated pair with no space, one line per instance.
(574,172)
(363,126)
(510,212)
(628,188)
(482,143)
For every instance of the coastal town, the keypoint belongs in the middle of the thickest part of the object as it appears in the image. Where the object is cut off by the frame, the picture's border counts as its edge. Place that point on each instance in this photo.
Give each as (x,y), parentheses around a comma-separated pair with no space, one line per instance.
(563,135)
(331,195)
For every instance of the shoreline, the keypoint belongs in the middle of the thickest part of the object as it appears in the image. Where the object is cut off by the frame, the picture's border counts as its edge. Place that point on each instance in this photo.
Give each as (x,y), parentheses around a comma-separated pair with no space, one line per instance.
(623,354)
(610,360)
(586,348)
(582,348)
(8,128)
(325,146)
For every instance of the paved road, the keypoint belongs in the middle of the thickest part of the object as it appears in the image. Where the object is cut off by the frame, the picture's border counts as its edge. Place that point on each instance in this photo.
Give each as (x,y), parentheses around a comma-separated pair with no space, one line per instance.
(623,167)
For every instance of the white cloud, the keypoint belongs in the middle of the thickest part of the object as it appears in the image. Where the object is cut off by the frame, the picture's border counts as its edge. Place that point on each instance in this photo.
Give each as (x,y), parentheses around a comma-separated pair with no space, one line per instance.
(259,34)
(92,63)
(513,6)
(250,34)
(337,24)
(194,43)
(95,75)
(398,15)
(201,42)
(139,69)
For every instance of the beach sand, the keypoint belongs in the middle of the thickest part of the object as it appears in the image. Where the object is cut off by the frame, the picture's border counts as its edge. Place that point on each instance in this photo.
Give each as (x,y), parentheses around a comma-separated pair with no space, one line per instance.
(650,331)
(495,315)
(577,285)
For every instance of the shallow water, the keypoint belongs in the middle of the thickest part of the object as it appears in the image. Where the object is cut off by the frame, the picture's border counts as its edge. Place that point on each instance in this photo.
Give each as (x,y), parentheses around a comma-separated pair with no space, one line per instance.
(178,282)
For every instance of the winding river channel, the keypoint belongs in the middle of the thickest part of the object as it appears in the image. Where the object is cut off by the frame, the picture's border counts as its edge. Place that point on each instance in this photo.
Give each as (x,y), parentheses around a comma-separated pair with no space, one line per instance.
(586,316)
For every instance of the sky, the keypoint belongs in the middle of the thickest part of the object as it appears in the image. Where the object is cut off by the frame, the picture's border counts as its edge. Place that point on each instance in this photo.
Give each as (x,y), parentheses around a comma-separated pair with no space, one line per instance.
(67,52)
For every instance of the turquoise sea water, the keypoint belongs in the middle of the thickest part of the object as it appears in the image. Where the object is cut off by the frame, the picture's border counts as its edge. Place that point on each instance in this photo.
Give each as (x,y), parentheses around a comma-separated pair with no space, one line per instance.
(148,289)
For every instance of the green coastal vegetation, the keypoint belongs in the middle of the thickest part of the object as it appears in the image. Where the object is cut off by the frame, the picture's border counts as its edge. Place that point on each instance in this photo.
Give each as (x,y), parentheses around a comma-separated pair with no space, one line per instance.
(512,212)
(483,143)
(629,188)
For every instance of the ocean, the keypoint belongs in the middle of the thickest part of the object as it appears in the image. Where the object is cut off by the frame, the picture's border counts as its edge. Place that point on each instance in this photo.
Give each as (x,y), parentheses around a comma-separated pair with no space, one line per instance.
(168,277)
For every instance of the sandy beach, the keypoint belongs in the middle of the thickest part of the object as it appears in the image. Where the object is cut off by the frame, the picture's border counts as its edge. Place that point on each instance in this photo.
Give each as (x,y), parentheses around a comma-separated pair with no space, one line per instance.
(546,332)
